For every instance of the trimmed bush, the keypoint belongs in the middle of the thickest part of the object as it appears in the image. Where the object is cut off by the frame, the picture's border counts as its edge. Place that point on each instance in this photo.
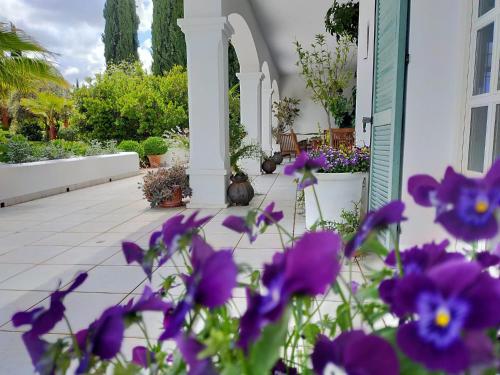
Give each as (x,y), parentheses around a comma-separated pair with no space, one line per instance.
(19,150)
(132,146)
(68,134)
(155,146)
(30,128)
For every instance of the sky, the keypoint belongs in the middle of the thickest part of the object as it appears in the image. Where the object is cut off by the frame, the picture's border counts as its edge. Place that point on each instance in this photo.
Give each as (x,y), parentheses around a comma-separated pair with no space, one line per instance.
(72,29)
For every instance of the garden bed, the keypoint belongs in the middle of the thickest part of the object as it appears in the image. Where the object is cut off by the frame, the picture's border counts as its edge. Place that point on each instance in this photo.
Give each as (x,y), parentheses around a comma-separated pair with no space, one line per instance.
(27,181)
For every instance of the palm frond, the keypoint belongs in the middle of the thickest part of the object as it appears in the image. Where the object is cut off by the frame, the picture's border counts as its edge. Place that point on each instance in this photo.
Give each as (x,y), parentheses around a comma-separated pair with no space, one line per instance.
(17,41)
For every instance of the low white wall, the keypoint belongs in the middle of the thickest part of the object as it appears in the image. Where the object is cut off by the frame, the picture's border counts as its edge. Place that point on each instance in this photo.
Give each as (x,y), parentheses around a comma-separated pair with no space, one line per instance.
(28,181)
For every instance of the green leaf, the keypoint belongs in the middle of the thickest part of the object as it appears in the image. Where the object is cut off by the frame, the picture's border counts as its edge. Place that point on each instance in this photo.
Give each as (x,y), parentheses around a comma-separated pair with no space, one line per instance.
(311,331)
(266,351)
(129,369)
(373,246)
(343,320)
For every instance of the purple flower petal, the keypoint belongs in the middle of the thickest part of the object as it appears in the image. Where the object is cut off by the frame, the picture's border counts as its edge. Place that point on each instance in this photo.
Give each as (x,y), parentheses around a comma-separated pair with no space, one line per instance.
(422,188)
(452,277)
(484,295)
(270,217)
(355,353)
(239,225)
(190,349)
(312,264)
(453,359)
(487,259)
(174,320)
(142,356)
(392,213)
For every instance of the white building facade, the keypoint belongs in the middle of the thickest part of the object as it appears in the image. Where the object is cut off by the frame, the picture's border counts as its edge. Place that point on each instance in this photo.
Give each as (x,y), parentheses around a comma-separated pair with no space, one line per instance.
(450,107)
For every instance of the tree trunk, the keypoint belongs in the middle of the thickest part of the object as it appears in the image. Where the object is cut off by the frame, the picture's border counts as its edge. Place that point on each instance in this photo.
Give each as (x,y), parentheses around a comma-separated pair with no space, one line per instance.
(52,131)
(66,123)
(5,118)
(329,127)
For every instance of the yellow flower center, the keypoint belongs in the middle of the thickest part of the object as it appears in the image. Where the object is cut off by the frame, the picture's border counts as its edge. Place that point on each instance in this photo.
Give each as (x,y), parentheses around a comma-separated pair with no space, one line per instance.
(481,207)
(442,318)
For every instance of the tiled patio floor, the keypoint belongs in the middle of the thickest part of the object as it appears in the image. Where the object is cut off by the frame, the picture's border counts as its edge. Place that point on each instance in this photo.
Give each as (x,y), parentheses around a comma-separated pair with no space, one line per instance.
(49,240)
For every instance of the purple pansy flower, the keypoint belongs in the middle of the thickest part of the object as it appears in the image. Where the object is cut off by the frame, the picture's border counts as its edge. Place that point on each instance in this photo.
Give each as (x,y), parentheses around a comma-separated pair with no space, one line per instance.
(354,352)
(143,357)
(416,260)
(190,349)
(306,269)
(391,213)
(103,338)
(246,225)
(210,284)
(465,206)
(281,368)
(172,231)
(146,258)
(451,301)
(42,320)
(302,167)
(269,216)
(239,224)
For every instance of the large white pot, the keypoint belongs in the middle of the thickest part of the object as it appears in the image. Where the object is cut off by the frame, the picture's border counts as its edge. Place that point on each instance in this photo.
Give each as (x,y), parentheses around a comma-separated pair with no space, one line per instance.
(335,191)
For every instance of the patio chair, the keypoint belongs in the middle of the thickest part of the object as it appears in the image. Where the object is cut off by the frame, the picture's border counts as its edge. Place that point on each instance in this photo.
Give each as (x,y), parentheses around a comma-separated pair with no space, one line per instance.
(344,137)
(289,144)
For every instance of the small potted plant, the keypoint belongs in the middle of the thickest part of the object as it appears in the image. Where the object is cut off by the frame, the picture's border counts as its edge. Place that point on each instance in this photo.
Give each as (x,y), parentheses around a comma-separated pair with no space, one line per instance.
(166,187)
(240,191)
(154,148)
(286,112)
(339,184)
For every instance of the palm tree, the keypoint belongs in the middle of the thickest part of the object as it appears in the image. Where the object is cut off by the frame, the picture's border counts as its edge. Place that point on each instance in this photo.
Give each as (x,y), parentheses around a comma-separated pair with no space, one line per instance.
(48,106)
(23,63)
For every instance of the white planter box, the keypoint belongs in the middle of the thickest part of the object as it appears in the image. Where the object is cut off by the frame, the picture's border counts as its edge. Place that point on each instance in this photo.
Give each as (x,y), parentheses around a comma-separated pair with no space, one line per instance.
(28,181)
(335,191)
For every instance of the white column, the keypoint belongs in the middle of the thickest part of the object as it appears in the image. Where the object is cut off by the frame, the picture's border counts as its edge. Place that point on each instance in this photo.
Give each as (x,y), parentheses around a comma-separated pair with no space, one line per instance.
(251,115)
(267,120)
(209,171)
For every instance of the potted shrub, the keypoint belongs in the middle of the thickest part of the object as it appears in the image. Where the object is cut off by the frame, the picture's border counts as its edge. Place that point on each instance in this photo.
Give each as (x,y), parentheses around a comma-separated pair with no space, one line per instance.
(240,191)
(286,112)
(178,146)
(131,146)
(154,148)
(166,187)
(340,185)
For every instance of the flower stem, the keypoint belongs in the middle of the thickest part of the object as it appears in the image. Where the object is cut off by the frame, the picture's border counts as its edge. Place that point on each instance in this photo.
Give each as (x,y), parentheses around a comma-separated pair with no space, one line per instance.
(73,337)
(317,203)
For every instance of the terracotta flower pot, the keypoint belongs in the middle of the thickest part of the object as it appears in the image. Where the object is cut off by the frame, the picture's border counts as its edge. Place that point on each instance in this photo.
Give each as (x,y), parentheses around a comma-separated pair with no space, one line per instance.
(154,161)
(175,201)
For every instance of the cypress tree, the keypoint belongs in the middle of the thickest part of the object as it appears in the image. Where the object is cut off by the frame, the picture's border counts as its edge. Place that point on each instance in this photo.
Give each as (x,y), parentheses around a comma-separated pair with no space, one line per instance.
(120,32)
(169,45)
(234,66)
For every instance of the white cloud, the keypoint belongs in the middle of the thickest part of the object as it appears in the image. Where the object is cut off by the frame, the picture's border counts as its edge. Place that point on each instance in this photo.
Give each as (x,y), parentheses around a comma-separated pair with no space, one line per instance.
(145,13)
(72,70)
(72,30)
(145,55)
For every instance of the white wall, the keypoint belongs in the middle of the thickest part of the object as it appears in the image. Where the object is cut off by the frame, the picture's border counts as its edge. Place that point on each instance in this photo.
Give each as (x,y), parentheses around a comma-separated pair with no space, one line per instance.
(436,86)
(365,69)
(310,112)
(28,181)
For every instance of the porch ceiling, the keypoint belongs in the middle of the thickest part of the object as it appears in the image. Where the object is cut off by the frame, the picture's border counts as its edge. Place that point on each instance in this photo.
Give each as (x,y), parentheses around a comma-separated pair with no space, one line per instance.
(284,21)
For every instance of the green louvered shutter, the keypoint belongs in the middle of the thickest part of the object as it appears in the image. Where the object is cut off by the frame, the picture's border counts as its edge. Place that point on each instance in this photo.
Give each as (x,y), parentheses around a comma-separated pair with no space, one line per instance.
(388,101)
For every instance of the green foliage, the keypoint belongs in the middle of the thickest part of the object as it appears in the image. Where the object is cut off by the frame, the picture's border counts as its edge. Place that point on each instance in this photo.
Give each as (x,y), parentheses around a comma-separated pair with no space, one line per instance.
(23,62)
(19,150)
(177,138)
(169,45)
(349,224)
(132,146)
(155,146)
(326,74)
(125,103)
(237,131)
(120,32)
(68,134)
(286,111)
(342,19)
(4,137)
(101,148)
(54,150)
(30,128)
(233,66)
